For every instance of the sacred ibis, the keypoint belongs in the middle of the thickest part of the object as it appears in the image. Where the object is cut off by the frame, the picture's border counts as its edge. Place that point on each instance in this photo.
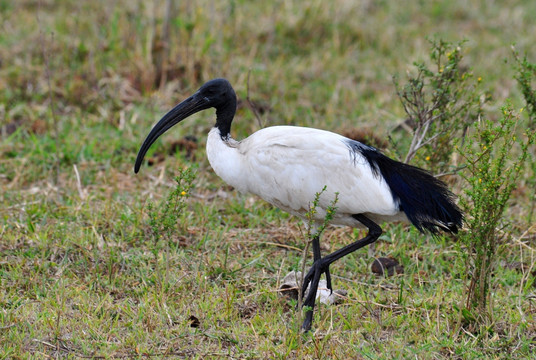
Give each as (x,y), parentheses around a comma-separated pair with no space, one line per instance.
(288,165)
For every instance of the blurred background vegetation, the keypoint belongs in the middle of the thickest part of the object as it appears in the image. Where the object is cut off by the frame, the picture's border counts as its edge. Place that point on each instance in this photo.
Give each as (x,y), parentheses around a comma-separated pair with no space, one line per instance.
(82,274)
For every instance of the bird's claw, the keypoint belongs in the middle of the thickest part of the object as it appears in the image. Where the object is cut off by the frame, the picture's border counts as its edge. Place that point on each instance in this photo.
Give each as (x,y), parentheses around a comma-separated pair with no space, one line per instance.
(311,280)
(322,269)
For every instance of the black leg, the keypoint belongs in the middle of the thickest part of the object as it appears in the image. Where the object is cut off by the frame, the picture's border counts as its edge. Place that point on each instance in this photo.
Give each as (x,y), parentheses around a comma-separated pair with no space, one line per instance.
(320,265)
(317,256)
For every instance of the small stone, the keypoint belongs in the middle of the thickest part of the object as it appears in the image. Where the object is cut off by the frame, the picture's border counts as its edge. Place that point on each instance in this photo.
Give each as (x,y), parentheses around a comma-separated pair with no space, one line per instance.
(386,266)
(194,321)
(289,288)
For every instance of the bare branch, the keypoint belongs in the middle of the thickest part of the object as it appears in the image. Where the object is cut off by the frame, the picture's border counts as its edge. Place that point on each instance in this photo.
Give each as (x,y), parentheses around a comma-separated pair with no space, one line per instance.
(251,105)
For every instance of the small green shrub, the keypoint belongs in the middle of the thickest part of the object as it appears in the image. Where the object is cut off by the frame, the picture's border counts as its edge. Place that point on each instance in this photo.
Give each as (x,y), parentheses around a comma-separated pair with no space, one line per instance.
(444,108)
(491,175)
(163,221)
(441,101)
(526,76)
(314,231)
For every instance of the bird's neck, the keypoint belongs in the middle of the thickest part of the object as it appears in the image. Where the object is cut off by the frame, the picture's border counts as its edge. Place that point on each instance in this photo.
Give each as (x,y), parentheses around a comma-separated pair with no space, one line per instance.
(226,160)
(224,117)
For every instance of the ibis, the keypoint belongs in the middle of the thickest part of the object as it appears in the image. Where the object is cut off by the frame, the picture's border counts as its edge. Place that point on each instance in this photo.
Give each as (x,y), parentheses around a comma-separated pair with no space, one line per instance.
(288,165)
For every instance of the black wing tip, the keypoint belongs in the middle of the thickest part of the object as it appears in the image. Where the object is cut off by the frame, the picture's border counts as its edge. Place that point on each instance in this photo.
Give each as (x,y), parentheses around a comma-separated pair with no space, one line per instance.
(456,225)
(435,229)
(427,202)
(451,227)
(451,223)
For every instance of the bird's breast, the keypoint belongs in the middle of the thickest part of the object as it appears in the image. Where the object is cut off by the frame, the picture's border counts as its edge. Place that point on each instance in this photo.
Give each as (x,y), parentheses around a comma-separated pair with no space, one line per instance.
(225,158)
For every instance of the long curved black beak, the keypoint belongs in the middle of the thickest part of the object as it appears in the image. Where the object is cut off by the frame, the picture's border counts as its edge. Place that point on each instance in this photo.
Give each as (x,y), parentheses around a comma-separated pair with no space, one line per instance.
(190,106)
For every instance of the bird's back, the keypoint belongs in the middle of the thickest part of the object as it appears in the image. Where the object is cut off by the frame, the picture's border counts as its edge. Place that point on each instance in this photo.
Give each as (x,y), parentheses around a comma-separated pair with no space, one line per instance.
(288,165)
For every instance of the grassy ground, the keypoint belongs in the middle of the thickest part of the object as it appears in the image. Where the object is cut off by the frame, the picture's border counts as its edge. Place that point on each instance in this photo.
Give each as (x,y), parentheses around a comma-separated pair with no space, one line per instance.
(82,273)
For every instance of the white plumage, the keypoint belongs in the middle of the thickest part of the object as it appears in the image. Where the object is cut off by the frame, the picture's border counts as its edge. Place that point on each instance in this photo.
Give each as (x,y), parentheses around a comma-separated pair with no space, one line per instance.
(287,166)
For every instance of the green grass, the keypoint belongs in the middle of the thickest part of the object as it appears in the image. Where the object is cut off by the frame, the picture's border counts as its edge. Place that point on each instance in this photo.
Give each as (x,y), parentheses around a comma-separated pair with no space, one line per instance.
(82,276)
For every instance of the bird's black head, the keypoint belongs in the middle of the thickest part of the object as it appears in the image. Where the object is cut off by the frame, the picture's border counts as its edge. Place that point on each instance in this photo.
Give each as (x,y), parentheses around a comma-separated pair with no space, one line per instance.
(217,93)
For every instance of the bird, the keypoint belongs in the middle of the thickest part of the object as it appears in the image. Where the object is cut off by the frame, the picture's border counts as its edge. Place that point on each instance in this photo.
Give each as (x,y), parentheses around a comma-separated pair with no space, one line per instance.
(288,166)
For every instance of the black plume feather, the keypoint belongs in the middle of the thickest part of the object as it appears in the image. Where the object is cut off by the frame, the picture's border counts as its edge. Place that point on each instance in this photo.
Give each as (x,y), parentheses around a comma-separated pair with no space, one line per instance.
(426,201)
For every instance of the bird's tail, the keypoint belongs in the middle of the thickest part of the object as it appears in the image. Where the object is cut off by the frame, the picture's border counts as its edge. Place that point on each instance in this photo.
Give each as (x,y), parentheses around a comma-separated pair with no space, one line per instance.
(426,201)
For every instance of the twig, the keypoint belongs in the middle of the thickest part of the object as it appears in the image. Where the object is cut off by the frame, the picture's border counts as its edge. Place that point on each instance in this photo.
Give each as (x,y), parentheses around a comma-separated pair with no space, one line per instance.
(167,313)
(518,239)
(8,326)
(22,205)
(45,343)
(288,247)
(279,272)
(182,354)
(81,191)
(166,43)
(451,172)
(50,95)
(250,103)
(300,284)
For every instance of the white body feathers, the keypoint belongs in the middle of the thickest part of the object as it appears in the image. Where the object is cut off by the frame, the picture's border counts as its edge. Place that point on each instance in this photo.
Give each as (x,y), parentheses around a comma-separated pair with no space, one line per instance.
(288,165)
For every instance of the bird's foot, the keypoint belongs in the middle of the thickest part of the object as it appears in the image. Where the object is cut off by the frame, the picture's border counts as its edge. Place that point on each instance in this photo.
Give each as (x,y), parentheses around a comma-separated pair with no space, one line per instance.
(318,267)
(310,281)
(306,326)
(328,280)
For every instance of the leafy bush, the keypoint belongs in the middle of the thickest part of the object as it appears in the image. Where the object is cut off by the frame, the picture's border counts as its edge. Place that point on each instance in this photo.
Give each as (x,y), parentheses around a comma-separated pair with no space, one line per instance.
(444,108)
(491,174)
(163,220)
(441,101)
